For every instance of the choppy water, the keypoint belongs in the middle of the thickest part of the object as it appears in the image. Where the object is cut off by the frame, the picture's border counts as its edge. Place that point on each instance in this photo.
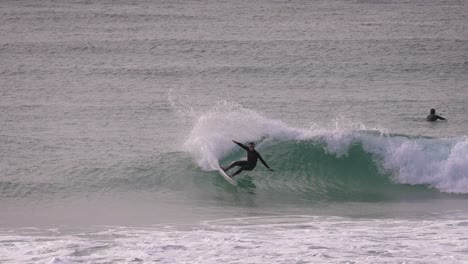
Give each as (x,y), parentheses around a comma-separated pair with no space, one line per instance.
(116,113)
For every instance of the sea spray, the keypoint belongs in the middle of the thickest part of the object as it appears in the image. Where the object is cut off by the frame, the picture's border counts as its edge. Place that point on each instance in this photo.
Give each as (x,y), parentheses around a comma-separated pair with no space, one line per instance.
(212,132)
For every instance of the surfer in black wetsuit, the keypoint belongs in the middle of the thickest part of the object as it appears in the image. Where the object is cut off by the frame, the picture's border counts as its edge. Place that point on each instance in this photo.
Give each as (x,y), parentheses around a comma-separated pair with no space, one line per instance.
(433,116)
(250,163)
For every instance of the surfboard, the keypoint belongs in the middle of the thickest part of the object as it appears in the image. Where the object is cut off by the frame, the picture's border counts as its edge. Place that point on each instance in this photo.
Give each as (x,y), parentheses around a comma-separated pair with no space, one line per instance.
(225,176)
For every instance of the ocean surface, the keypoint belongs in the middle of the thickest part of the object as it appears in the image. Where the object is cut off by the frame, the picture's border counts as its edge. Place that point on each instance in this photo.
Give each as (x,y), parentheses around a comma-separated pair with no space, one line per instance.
(115,115)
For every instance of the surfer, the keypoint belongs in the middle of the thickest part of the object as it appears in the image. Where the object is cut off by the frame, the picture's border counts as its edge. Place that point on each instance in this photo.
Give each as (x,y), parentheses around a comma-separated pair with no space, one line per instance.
(250,163)
(433,116)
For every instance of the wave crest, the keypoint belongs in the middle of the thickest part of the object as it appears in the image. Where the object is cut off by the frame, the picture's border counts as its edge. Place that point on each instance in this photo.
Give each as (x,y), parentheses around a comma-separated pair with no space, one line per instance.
(345,150)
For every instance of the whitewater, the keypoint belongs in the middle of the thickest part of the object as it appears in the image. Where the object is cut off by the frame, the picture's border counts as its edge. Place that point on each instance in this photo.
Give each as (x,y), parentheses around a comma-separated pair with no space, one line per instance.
(116,114)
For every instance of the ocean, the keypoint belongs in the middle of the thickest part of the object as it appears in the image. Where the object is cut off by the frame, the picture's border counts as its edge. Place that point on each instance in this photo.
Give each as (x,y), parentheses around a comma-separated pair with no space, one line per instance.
(115,115)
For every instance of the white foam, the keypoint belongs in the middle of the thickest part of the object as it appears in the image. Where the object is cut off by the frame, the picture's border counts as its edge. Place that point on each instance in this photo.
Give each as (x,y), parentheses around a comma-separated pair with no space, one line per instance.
(440,163)
(283,239)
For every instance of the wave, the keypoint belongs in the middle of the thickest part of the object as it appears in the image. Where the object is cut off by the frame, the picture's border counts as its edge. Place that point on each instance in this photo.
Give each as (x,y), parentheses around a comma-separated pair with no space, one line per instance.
(338,157)
(341,161)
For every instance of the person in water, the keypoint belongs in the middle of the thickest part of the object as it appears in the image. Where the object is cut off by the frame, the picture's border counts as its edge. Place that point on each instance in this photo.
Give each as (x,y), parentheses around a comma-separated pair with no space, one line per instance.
(250,163)
(433,116)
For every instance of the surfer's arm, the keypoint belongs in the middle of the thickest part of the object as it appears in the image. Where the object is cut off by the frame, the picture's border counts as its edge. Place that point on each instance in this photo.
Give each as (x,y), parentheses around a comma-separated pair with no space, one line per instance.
(441,118)
(241,145)
(263,162)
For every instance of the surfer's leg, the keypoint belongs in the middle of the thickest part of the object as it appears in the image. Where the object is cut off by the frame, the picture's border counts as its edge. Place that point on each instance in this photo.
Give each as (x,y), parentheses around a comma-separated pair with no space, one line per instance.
(237,172)
(242,168)
(236,163)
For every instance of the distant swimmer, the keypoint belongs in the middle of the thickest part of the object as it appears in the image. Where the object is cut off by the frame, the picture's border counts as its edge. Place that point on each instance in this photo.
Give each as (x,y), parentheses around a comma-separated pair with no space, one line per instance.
(250,163)
(433,116)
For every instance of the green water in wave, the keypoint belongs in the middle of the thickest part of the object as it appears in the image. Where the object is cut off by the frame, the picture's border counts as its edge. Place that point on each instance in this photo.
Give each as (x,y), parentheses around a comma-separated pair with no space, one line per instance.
(306,171)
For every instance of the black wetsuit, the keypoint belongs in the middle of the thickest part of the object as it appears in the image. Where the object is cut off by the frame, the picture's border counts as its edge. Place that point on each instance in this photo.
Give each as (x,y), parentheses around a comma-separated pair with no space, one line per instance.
(250,163)
(434,117)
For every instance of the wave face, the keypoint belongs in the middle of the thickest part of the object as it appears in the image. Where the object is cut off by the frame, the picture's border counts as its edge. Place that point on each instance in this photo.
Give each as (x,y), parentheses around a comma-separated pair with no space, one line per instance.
(331,160)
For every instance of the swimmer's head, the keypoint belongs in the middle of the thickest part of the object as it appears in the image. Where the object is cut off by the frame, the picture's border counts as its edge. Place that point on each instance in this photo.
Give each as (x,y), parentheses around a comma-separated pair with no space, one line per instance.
(432,111)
